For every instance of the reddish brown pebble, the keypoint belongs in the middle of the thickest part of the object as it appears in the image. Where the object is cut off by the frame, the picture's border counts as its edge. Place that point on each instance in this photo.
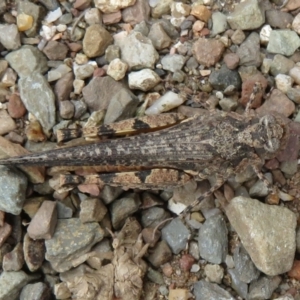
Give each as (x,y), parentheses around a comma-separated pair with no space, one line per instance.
(272,164)
(295,271)
(15,107)
(148,236)
(91,189)
(81,4)
(231,60)
(5,231)
(186,262)
(2,216)
(111,18)
(55,50)
(167,269)
(75,47)
(204,32)
(44,221)
(99,72)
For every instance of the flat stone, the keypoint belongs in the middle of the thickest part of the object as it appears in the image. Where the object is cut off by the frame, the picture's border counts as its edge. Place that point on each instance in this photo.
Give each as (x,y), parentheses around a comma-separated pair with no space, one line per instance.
(92,210)
(130,46)
(96,40)
(176,235)
(38,98)
(208,51)
(246,16)
(213,239)
(10,36)
(15,106)
(144,80)
(71,239)
(284,42)
(27,60)
(34,253)
(13,185)
(267,232)
(204,290)
(43,223)
(55,50)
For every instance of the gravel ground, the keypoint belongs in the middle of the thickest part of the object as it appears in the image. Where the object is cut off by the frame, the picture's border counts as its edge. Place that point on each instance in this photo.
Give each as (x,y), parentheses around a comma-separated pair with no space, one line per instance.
(83,63)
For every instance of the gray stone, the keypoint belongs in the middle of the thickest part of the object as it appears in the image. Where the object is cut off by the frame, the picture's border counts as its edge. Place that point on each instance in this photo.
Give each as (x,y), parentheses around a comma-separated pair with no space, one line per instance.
(281,65)
(14,260)
(204,290)
(176,234)
(259,188)
(10,36)
(289,167)
(264,287)
(80,108)
(63,211)
(294,95)
(249,51)
(13,185)
(38,98)
(173,62)
(228,104)
(131,53)
(121,106)
(153,216)
(219,21)
(36,291)
(71,240)
(267,233)
(278,19)
(112,52)
(144,80)
(284,42)
(27,60)
(11,284)
(142,28)
(110,193)
(213,239)
(246,16)
(244,267)
(123,208)
(159,37)
(239,286)
(221,79)
(160,255)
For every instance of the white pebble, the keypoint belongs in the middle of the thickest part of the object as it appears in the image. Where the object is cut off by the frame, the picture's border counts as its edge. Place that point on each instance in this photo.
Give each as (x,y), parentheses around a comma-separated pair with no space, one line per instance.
(61,27)
(264,34)
(165,103)
(47,32)
(283,82)
(52,16)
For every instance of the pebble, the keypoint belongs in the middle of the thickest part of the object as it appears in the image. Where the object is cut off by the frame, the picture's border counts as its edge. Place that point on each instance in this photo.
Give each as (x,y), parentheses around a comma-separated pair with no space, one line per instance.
(5,232)
(10,36)
(117,69)
(24,22)
(165,103)
(271,244)
(40,290)
(144,80)
(279,19)
(14,260)
(96,40)
(136,13)
(93,16)
(178,294)
(110,6)
(219,21)
(246,16)
(71,239)
(231,60)
(295,74)
(173,62)
(43,223)
(130,46)
(296,23)
(176,235)
(240,287)
(214,273)
(213,239)
(201,12)
(159,37)
(84,71)
(153,216)
(13,185)
(160,255)
(55,50)
(38,99)
(259,189)
(208,51)
(281,65)
(204,290)
(284,42)
(63,86)
(7,123)
(92,210)
(15,107)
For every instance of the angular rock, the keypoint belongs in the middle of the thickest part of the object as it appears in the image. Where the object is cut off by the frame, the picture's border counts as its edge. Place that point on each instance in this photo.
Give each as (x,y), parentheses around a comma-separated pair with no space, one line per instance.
(7,123)
(267,233)
(159,37)
(63,87)
(117,69)
(110,6)
(55,50)
(204,290)
(160,255)
(173,62)
(136,13)
(246,16)
(14,260)
(5,231)
(143,80)
(213,239)
(263,287)
(239,286)
(27,60)
(131,53)
(38,98)
(43,223)
(36,291)
(10,36)
(13,185)
(96,40)
(92,210)
(71,240)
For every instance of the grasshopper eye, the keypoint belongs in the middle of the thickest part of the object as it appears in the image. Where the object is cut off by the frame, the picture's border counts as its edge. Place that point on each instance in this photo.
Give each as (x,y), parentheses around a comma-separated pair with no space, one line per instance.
(272,145)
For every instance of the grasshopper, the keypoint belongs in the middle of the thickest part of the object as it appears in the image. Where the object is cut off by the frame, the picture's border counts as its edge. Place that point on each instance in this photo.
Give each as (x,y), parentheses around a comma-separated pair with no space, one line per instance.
(212,144)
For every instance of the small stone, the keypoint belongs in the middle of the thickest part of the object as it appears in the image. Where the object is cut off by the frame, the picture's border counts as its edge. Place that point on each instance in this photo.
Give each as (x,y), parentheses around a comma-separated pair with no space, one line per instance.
(247,15)
(55,50)
(284,42)
(93,16)
(173,62)
(15,107)
(66,109)
(278,18)
(204,290)
(228,104)
(144,80)
(201,12)
(40,290)
(186,261)
(96,40)
(264,34)
(78,85)
(137,13)
(296,23)
(208,51)
(165,103)
(112,18)
(295,270)
(83,71)
(295,74)
(112,52)
(92,210)
(24,22)
(82,4)
(7,123)
(53,15)
(43,223)
(240,287)
(231,60)
(161,254)
(5,232)
(214,273)
(283,82)
(219,21)
(178,294)
(14,260)
(63,87)
(117,69)
(159,37)
(10,36)
(109,6)
(281,65)
(176,235)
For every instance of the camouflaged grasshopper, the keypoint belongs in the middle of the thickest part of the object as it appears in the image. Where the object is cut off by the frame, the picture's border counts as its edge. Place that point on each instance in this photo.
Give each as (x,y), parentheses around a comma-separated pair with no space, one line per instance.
(213,144)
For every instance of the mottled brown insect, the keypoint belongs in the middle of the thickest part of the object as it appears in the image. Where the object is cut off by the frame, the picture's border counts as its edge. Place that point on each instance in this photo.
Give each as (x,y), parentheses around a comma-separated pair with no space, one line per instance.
(215,143)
